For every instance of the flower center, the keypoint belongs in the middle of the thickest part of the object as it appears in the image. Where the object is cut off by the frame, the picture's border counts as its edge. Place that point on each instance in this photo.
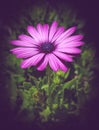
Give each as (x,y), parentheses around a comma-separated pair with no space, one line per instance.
(47,47)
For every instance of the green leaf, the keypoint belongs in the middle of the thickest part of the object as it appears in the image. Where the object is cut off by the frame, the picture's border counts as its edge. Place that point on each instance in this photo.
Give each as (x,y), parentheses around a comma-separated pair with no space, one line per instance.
(33,89)
(27,85)
(26,99)
(19,78)
(69,84)
(45,114)
(61,76)
(45,87)
(55,106)
(66,105)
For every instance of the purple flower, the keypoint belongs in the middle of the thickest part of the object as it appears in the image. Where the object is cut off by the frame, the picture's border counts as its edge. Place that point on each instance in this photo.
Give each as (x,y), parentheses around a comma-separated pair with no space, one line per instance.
(47,45)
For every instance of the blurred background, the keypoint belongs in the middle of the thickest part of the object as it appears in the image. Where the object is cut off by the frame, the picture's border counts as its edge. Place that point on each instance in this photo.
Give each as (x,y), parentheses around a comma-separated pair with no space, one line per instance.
(87,11)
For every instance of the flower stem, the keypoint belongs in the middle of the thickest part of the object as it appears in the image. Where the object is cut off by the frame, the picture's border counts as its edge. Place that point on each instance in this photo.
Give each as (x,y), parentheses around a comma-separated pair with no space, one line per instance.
(49,86)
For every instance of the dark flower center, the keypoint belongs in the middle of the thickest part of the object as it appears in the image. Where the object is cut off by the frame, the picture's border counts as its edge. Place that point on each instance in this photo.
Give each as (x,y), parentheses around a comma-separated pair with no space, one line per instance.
(47,47)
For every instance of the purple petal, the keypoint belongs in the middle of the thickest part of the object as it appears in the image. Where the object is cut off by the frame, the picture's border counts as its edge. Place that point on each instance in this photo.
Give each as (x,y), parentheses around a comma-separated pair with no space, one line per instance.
(27,39)
(52,62)
(66,34)
(75,38)
(21,52)
(74,44)
(52,30)
(33,32)
(69,50)
(43,31)
(32,61)
(70,44)
(22,43)
(43,65)
(63,56)
(56,64)
(60,30)
(40,30)
(62,66)
(24,37)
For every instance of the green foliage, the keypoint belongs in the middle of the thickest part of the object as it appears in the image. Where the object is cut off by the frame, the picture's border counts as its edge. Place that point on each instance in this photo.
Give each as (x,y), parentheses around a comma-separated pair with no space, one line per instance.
(38,95)
(28,99)
(70,84)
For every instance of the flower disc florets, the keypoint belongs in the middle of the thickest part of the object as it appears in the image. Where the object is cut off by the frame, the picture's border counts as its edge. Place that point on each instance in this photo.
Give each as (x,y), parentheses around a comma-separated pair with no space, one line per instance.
(47,47)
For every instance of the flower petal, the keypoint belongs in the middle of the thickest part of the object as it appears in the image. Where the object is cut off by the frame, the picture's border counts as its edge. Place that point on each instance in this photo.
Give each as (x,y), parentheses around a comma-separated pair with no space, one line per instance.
(74,44)
(75,38)
(26,38)
(52,62)
(40,30)
(33,32)
(32,61)
(21,52)
(52,30)
(70,44)
(63,56)
(43,64)
(56,64)
(69,50)
(43,31)
(21,43)
(66,34)
(62,66)
(60,30)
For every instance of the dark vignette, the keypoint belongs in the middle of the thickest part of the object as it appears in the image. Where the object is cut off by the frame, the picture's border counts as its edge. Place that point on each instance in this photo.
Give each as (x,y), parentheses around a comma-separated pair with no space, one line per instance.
(87,10)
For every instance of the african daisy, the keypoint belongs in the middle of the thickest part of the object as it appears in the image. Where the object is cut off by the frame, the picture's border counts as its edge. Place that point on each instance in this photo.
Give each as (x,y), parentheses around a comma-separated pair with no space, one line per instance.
(47,45)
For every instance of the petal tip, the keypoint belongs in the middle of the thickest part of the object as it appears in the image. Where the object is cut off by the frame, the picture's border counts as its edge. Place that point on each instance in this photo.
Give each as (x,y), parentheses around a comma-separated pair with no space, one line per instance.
(29,27)
(55,23)
(11,42)
(22,66)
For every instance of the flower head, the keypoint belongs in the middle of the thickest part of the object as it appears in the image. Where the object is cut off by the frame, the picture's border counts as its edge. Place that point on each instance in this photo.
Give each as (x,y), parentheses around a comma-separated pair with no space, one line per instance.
(47,45)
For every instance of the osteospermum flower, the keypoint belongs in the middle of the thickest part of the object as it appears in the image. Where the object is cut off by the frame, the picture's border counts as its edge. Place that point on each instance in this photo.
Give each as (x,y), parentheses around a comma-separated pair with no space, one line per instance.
(47,45)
